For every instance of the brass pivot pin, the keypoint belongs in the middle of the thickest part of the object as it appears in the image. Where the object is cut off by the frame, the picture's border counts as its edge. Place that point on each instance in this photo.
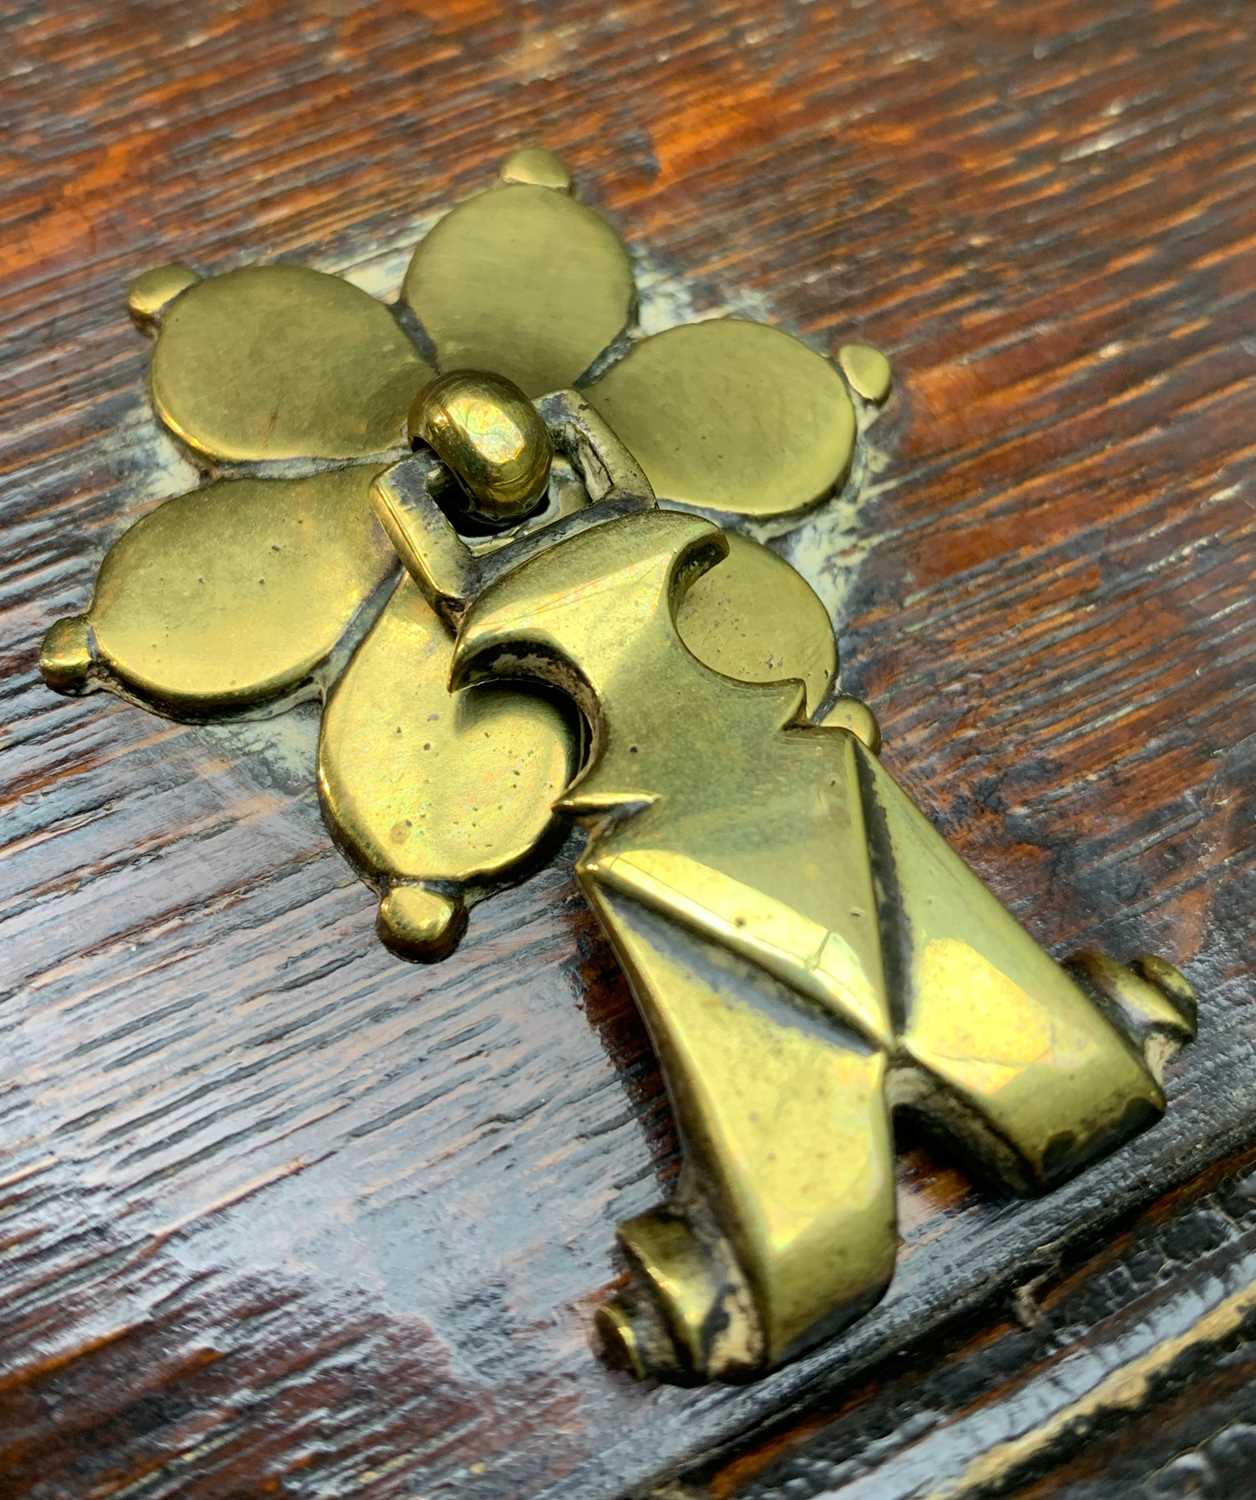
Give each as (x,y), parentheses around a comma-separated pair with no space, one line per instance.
(487,432)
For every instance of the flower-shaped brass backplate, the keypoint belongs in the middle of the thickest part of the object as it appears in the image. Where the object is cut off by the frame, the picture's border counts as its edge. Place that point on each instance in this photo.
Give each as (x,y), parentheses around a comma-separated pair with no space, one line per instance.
(291,388)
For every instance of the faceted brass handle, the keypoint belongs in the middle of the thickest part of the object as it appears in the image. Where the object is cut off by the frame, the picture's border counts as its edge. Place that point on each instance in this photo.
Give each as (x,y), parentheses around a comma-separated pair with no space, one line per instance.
(807,952)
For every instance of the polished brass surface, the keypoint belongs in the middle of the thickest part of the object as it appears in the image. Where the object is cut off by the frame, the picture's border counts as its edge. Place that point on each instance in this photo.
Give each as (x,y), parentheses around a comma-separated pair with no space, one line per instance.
(755,618)
(487,432)
(232,595)
(276,362)
(752,423)
(524,281)
(807,953)
(427,787)
(867,370)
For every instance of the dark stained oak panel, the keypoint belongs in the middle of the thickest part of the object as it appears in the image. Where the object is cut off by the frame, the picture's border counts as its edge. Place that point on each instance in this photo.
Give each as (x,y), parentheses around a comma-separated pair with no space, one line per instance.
(283,1216)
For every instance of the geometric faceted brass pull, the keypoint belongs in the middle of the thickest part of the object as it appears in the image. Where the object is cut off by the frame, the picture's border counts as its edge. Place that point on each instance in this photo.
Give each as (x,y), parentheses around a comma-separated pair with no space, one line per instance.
(807,952)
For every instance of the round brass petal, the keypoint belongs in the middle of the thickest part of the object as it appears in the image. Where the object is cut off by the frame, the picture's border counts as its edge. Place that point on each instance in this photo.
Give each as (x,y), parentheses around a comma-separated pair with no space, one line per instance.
(753,617)
(276,362)
(731,416)
(524,282)
(237,592)
(422,784)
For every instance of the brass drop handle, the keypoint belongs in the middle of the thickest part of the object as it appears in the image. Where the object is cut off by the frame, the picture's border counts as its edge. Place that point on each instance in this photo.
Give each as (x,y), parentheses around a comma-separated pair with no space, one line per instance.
(806,950)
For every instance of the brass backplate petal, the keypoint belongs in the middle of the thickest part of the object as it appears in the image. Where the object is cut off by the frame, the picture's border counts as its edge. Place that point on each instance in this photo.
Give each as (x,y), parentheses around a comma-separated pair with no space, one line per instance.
(523,281)
(274,362)
(237,592)
(422,784)
(731,416)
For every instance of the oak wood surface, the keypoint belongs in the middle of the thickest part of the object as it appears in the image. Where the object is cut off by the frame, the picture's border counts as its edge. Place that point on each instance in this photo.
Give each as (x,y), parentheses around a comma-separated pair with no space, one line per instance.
(1126,1371)
(281,1215)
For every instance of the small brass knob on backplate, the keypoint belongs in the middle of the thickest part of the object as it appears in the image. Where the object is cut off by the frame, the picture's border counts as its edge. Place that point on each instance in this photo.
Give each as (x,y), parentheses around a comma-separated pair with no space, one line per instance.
(489,434)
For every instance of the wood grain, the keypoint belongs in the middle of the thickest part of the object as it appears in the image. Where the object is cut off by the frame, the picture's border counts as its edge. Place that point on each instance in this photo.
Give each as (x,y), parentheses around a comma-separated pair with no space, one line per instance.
(284,1216)
(1131,1374)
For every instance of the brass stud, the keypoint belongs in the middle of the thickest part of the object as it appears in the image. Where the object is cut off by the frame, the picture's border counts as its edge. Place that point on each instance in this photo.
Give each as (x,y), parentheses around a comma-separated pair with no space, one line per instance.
(65,658)
(867,370)
(151,293)
(537,167)
(417,923)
